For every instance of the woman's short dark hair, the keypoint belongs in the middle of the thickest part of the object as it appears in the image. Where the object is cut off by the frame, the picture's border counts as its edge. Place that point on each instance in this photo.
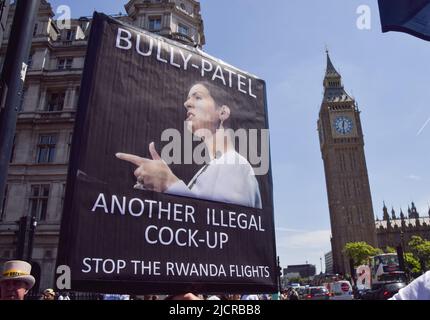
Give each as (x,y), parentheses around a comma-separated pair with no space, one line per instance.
(220,96)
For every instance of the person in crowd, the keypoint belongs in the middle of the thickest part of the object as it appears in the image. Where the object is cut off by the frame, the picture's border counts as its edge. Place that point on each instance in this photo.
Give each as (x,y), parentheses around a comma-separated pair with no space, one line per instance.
(16,280)
(186,296)
(250,297)
(293,295)
(419,289)
(284,295)
(48,294)
(64,296)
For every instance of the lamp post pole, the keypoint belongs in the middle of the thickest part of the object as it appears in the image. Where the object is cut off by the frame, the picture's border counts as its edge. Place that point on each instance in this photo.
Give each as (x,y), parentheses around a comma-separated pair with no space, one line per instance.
(12,80)
(402,238)
(402,245)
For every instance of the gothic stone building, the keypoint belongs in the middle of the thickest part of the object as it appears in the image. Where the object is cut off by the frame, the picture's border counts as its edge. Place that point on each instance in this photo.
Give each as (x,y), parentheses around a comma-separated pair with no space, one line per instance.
(38,167)
(394,230)
(348,189)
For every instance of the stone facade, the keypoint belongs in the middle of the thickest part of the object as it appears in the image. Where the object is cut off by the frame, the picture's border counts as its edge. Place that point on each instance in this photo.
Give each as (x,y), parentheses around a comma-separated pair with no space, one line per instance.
(328,262)
(395,230)
(348,189)
(304,270)
(175,19)
(39,164)
(4,11)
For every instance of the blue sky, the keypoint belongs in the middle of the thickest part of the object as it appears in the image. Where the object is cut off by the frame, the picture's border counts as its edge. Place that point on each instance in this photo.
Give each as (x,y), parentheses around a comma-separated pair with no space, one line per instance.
(284,43)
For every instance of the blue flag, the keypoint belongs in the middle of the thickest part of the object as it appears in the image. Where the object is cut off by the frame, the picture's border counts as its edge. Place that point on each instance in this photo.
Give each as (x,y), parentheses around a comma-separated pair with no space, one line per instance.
(410,16)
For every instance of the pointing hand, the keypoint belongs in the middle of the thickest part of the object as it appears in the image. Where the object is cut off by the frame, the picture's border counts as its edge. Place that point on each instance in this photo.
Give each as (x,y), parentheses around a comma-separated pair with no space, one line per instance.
(154,175)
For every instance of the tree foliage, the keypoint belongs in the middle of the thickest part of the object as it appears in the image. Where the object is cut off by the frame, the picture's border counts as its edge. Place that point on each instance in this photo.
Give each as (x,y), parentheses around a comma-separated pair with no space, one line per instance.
(421,250)
(412,263)
(360,252)
(390,250)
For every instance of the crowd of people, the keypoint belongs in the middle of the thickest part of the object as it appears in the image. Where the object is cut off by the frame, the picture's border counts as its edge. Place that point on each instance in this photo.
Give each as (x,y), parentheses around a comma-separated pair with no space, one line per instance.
(289,294)
(16,281)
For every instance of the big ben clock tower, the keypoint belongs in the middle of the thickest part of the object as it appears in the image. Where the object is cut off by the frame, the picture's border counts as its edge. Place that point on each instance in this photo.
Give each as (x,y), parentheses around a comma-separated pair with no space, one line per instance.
(348,189)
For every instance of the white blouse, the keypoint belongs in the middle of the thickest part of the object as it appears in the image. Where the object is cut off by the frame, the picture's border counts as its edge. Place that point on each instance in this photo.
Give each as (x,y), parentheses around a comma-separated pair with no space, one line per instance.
(229,178)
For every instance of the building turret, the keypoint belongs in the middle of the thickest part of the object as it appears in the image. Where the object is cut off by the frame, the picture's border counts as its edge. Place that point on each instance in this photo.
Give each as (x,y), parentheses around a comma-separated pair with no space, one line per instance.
(385,216)
(413,212)
(393,214)
(179,20)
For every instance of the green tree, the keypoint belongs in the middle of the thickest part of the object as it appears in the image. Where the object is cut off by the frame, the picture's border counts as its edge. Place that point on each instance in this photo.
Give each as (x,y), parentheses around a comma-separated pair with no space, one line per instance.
(360,252)
(416,241)
(421,250)
(390,250)
(412,264)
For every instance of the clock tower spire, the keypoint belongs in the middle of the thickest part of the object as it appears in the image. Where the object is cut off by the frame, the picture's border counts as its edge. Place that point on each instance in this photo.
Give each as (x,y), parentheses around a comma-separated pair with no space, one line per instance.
(348,189)
(332,77)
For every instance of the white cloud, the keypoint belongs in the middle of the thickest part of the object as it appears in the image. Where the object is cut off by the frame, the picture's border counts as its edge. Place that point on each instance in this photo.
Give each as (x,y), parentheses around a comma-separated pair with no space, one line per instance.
(414,177)
(296,239)
(301,246)
(423,127)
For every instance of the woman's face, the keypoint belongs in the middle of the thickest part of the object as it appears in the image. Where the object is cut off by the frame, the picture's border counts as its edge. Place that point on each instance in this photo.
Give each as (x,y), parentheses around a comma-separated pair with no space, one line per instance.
(202,112)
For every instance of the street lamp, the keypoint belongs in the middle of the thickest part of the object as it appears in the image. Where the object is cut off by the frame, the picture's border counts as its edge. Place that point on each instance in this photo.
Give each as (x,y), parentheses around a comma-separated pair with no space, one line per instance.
(402,239)
(401,254)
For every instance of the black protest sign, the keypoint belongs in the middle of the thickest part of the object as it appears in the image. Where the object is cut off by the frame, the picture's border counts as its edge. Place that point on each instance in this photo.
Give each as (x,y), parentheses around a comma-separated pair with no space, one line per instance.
(169,186)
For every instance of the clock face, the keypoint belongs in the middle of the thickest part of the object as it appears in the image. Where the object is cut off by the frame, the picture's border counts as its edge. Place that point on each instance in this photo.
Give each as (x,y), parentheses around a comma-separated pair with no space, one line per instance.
(343,125)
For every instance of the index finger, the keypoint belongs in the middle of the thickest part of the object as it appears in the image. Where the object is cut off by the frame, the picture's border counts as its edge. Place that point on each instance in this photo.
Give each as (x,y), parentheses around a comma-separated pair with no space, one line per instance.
(138,161)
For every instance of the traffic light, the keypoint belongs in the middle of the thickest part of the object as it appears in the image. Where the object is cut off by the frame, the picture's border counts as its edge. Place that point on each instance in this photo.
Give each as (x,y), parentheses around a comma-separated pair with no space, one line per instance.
(21,235)
(33,224)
